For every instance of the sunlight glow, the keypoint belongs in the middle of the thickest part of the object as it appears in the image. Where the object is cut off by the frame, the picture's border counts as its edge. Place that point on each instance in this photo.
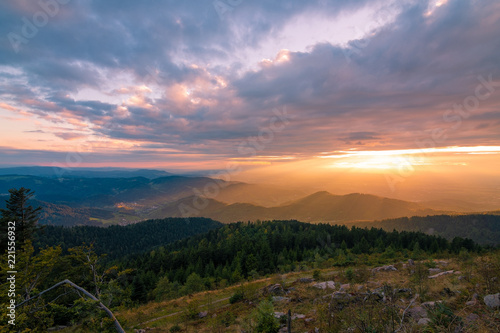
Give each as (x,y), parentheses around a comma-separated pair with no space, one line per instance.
(392,159)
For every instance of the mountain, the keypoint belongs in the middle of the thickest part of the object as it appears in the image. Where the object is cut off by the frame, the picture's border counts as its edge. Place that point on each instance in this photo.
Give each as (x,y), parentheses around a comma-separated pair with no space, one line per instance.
(57,172)
(318,207)
(76,200)
(456,205)
(259,195)
(481,228)
(105,192)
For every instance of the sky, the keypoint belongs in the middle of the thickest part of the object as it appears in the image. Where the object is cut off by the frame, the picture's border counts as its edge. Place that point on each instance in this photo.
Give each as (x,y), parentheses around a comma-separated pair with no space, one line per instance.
(336,86)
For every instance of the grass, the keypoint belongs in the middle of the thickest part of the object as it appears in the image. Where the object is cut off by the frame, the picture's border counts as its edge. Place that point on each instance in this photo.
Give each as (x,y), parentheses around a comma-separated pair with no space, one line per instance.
(316,304)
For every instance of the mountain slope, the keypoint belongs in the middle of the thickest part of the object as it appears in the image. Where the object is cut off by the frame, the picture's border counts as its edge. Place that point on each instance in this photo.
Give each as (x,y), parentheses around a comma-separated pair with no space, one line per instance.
(57,172)
(318,207)
(120,241)
(481,228)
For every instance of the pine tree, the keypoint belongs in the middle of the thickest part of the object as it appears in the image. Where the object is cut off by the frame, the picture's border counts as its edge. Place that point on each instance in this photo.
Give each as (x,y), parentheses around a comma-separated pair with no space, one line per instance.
(19,211)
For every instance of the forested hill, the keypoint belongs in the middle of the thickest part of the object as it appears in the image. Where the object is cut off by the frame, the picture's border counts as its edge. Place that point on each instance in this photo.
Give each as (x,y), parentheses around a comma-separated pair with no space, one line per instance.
(118,241)
(242,250)
(482,228)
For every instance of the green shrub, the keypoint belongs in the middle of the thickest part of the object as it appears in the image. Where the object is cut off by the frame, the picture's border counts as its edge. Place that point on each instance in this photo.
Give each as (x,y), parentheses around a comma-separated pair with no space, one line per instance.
(266,322)
(349,274)
(175,328)
(317,274)
(237,297)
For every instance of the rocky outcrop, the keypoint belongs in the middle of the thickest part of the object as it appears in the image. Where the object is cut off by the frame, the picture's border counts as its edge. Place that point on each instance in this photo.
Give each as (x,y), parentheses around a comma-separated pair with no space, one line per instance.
(492,301)
(387,268)
(325,285)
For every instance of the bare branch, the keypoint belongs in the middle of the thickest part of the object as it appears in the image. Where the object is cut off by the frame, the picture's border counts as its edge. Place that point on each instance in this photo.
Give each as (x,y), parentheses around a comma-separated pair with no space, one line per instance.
(89,295)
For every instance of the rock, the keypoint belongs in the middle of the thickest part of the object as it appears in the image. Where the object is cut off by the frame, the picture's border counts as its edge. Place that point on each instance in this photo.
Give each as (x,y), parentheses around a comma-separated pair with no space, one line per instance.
(475,296)
(424,321)
(411,262)
(373,284)
(470,303)
(430,304)
(440,274)
(305,280)
(203,314)
(492,301)
(283,330)
(345,287)
(387,268)
(325,285)
(298,316)
(457,273)
(308,320)
(434,270)
(338,295)
(279,314)
(417,312)
(442,263)
(275,289)
(280,299)
(471,317)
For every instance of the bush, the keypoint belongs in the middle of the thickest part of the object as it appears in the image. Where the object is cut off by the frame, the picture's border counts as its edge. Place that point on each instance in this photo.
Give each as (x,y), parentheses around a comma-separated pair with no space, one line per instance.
(317,274)
(175,328)
(349,274)
(237,297)
(266,322)
(443,319)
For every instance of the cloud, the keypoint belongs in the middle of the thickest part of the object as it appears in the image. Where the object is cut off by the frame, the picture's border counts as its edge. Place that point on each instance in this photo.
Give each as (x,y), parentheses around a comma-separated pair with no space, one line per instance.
(174,74)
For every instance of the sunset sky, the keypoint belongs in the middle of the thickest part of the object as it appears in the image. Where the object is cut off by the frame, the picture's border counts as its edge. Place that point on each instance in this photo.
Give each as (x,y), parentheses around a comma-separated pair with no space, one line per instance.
(283,85)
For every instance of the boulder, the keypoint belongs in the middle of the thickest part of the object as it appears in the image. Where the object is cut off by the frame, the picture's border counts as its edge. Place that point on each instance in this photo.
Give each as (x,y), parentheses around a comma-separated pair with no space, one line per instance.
(279,314)
(440,274)
(325,285)
(203,314)
(275,289)
(424,321)
(341,295)
(470,303)
(434,270)
(492,301)
(387,268)
(345,287)
(442,263)
(430,304)
(471,317)
(298,316)
(305,280)
(417,312)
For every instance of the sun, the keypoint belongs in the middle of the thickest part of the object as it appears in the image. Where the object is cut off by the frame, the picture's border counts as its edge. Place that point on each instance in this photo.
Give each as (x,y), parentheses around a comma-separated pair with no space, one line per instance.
(372,162)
